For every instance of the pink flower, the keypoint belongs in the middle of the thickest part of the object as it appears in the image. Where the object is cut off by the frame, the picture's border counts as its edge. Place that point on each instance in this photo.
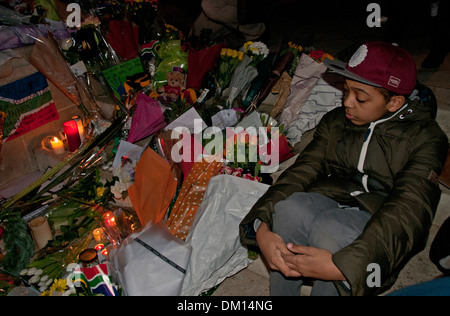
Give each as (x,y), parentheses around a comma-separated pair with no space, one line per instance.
(2,230)
(237,172)
(248,176)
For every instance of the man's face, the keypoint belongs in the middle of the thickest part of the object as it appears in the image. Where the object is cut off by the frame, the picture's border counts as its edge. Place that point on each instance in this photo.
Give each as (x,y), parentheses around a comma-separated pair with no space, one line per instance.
(363,103)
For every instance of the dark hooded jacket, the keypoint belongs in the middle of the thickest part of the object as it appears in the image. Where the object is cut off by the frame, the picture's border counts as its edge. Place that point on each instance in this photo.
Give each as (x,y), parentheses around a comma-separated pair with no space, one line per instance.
(388,168)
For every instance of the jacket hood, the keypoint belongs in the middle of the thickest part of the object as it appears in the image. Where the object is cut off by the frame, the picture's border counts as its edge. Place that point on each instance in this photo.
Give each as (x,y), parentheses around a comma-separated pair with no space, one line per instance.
(421,105)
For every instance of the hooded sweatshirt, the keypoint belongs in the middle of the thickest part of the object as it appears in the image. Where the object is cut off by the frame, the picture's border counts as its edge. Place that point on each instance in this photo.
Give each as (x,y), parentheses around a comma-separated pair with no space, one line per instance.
(388,168)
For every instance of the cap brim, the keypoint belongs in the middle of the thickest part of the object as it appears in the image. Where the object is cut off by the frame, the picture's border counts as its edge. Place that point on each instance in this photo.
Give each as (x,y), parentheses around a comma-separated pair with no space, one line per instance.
(340,68)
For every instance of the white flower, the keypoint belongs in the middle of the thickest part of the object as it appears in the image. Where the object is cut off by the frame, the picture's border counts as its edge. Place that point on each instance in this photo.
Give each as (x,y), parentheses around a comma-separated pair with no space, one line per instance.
(35,279)
(259,48)
(44,278)
(31,271)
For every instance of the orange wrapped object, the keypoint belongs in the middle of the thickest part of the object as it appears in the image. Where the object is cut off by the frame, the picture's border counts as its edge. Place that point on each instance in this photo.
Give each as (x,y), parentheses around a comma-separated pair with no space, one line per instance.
(153,189)
(191,196)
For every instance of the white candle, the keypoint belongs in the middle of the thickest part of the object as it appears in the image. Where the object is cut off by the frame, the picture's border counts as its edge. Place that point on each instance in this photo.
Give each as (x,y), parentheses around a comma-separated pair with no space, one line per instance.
(80,125)
(41,232)
(57,145)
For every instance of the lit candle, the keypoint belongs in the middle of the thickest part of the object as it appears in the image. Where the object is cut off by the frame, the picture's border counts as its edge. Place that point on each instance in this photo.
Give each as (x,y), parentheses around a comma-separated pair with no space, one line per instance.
(98,234)
(57,145)
(99,247)
(79,121)
(72,135)
(109,219)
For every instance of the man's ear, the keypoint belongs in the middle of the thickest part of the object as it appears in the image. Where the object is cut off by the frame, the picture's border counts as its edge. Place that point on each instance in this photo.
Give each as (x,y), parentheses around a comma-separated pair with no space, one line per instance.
(395,103)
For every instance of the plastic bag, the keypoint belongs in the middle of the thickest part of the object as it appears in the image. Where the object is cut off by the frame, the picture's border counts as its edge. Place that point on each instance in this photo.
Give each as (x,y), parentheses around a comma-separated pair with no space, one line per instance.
(151,262)
(214,236)
(172,58)
(148,118)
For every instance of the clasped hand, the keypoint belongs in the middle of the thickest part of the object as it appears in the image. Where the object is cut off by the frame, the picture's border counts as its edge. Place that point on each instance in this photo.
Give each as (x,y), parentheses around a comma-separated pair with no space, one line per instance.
(296,260)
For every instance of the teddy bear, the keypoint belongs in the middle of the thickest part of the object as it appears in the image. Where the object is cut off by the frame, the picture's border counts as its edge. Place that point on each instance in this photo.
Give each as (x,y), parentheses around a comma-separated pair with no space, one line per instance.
(173,88)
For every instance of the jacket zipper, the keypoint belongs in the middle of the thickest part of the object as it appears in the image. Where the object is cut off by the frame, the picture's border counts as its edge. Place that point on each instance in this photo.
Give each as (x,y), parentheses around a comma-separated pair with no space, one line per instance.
(363,153)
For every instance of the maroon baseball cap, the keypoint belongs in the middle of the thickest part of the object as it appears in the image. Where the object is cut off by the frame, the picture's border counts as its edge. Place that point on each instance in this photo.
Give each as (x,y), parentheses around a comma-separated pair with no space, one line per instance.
(379,64)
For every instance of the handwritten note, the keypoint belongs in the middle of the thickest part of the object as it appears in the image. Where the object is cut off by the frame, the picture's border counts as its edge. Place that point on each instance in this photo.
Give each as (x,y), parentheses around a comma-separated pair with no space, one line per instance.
(117,75)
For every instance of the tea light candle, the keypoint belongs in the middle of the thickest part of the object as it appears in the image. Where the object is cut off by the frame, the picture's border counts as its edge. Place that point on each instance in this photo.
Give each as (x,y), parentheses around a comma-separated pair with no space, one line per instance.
(72,135)
(98,235)
(99,247)
(57,145)
(80,126)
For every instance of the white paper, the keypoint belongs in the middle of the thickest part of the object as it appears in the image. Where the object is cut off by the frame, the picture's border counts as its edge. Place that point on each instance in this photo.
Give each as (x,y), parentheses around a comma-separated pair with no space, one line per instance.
(131,150)
(224,118)
(253,126)
(188,119)
(78,69)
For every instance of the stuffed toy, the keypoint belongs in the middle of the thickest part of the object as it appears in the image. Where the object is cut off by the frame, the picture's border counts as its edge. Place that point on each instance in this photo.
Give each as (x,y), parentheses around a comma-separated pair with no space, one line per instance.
(173,88)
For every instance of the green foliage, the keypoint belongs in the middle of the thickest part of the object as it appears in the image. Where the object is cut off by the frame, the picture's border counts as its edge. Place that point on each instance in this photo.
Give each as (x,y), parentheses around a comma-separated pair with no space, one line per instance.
(18,243)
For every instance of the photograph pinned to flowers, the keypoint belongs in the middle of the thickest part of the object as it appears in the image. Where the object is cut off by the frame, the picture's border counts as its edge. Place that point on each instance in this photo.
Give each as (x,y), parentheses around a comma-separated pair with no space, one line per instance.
(123,171)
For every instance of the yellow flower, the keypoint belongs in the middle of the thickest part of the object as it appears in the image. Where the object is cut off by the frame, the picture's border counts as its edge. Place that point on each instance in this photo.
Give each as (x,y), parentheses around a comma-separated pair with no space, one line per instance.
(100,191)
(59,285)
(241,55)
(246,45)
(46,293)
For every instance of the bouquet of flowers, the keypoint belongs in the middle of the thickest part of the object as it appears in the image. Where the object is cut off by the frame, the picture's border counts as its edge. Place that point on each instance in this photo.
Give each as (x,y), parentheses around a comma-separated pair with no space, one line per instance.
(229,59)
(257,51)
(241,152)
(246,71)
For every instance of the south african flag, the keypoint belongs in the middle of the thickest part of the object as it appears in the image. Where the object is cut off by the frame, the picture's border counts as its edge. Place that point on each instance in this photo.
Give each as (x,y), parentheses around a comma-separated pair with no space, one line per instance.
(95,279)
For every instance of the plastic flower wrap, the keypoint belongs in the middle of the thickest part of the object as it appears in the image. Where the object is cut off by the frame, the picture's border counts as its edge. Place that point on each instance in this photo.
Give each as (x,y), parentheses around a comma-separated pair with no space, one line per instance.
(229,59)
(246,71)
